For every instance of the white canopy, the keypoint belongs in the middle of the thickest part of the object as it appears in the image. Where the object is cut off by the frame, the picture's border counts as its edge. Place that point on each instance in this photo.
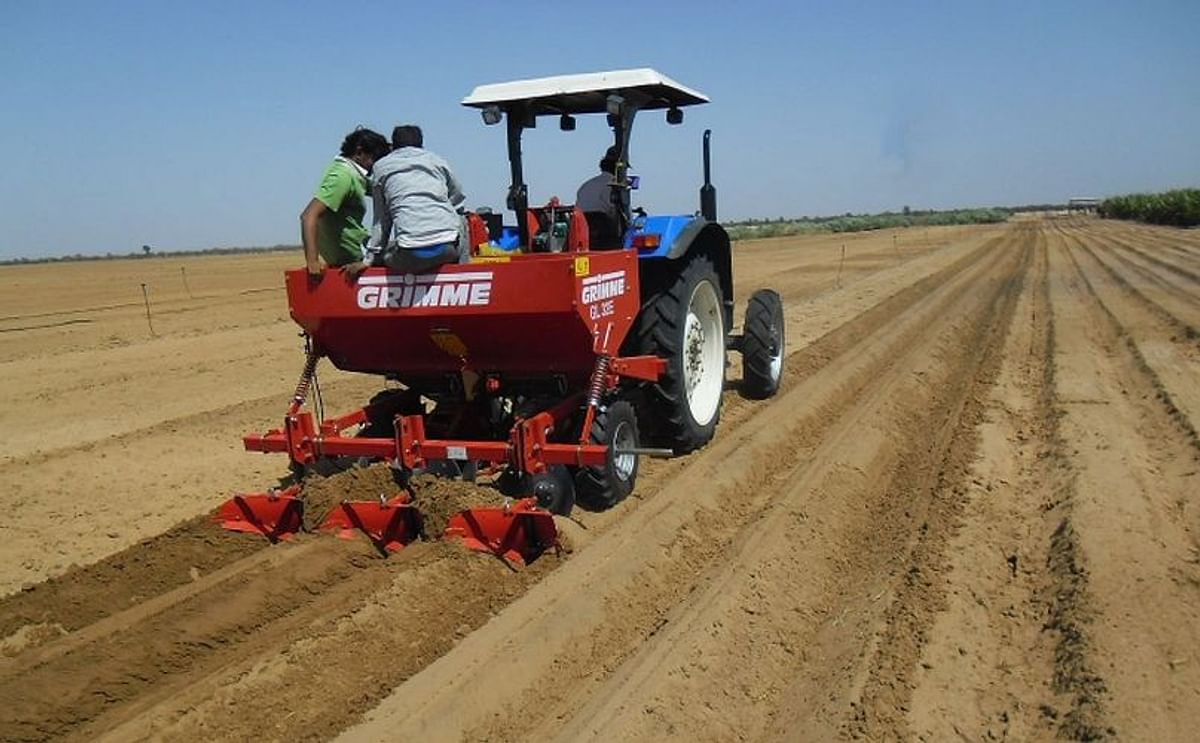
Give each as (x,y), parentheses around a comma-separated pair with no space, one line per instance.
(587,93)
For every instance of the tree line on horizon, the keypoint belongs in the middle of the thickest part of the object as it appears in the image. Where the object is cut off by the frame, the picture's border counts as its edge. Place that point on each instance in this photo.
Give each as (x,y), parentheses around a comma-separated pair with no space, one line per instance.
(849,222)
(738,230)
(1179,207)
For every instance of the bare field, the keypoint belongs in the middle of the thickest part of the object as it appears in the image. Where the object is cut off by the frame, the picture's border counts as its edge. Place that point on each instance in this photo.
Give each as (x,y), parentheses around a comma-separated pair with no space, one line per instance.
(970,513)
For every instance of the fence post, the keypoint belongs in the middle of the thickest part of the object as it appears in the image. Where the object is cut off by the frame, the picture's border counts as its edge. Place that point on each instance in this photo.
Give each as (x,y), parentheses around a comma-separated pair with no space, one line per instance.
(146,299)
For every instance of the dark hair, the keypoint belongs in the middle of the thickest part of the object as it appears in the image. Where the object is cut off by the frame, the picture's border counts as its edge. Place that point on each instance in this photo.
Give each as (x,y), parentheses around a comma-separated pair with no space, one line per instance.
(608,163)
(364,140)
(407,135)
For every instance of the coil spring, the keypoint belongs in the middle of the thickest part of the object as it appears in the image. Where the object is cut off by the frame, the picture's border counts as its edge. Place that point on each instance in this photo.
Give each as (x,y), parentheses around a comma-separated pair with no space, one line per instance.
(306,376)
(597,385)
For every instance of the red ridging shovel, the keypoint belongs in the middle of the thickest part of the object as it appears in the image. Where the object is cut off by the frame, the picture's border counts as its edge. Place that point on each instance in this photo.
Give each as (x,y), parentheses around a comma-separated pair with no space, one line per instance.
(517,533)
(275,514)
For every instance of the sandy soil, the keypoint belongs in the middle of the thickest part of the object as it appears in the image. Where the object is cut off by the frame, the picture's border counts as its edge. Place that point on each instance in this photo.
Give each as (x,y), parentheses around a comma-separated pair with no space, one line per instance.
(969,514)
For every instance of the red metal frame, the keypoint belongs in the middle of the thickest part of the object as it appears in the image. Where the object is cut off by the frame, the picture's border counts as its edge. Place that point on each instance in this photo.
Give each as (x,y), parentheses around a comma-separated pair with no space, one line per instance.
(528,448)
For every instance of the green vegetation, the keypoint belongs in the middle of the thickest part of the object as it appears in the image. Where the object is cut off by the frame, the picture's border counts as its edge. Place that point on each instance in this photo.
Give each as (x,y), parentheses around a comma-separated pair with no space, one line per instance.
(1180,207)
(753,228)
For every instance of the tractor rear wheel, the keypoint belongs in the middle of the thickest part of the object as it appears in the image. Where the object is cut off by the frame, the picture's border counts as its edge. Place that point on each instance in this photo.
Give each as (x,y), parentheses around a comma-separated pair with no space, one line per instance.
(762,345)
(684,323)
(607,485)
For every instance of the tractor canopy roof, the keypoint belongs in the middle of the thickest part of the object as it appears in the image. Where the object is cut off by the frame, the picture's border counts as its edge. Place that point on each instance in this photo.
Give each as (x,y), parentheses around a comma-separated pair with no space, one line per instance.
(587,93)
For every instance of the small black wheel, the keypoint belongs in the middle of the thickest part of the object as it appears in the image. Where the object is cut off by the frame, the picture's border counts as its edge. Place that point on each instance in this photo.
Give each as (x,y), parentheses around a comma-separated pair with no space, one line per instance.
(382,409)
(554,490)
(763,345)
(510,483)
(607,485)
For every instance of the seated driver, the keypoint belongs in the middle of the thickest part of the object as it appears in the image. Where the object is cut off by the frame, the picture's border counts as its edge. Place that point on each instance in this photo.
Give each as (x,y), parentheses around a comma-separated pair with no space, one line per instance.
(595,195)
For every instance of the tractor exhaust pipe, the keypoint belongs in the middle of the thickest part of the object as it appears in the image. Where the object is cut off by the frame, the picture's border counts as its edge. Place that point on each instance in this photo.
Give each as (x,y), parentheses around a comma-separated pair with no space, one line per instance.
(708,194)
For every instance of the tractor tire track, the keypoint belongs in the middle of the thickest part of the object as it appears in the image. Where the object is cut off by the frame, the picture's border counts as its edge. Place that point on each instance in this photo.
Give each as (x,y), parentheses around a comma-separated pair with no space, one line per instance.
(1008,656)
(1181,243)
(1141,245)
(1178,301)
(1187,331)
(1173,371)
(1133,524)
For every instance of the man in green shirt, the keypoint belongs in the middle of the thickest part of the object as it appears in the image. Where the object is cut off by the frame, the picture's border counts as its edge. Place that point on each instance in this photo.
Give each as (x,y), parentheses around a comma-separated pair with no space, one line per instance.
(331,226)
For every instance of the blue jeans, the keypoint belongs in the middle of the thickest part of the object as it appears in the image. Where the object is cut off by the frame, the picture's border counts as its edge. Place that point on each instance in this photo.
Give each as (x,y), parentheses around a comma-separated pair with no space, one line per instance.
(419,260)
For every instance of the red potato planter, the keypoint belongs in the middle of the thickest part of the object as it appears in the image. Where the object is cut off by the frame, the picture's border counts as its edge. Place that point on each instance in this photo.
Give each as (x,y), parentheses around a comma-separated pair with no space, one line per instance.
(555,356)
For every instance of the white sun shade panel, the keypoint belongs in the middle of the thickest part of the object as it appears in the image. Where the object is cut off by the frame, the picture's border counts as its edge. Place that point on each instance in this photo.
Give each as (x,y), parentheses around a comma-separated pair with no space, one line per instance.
(586,93)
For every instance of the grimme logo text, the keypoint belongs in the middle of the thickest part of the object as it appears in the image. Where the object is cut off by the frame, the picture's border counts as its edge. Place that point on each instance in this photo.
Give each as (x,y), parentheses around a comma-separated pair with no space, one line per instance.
(602,286)
(425,290)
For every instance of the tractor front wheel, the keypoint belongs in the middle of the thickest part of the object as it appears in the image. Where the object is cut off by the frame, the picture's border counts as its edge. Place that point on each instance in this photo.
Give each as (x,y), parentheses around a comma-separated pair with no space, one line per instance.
(762,345)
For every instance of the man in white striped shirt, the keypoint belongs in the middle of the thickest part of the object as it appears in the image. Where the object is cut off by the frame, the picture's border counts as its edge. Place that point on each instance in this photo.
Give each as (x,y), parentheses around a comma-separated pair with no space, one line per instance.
(416,200)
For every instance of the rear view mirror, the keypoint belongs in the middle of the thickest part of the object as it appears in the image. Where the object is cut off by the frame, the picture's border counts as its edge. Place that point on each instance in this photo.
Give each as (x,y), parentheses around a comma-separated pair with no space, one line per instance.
(566,123)
(674,115)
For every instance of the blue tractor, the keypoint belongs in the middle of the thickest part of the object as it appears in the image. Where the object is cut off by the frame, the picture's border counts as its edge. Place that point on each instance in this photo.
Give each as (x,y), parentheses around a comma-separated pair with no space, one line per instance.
(684,260)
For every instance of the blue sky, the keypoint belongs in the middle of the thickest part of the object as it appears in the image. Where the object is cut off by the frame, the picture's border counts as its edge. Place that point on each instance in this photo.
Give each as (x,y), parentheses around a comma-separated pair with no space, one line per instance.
(191,125)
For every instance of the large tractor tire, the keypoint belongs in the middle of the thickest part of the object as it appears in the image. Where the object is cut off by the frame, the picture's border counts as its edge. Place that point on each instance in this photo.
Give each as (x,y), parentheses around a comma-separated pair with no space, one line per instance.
(762,345)
(683,322)
(607,485)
